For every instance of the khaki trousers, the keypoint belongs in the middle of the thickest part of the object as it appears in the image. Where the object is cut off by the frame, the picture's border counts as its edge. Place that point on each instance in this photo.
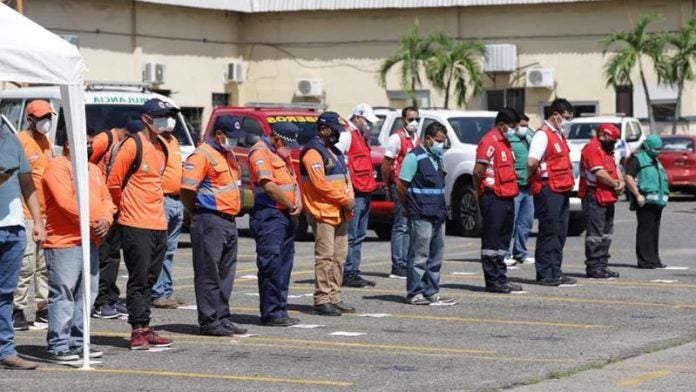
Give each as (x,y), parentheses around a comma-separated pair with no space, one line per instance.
(33,269)
(330,251)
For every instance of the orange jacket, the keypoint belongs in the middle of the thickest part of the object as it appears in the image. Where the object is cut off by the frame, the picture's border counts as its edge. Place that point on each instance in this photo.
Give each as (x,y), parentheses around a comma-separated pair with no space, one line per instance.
(62,213)
(324,196)
(37,149)
(265,164)
(101,151)
(141,203)
(214,176)
(171,180)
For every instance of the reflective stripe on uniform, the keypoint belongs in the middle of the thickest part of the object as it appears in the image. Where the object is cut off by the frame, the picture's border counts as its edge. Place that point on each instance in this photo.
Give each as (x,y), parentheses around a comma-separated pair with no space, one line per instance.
(421,156)
(188,181)
(227,188)
(426,191)
(208,156)
(594,239)
(283,188)
(265,173)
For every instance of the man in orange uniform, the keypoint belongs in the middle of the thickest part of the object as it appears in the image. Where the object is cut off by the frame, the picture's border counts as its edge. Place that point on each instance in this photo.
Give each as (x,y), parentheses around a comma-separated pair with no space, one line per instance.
(102,144)
(328,198)
(37,149)
(277,204)
(601,183)
(135,183)
(171,184)
(63,248)
(210,193)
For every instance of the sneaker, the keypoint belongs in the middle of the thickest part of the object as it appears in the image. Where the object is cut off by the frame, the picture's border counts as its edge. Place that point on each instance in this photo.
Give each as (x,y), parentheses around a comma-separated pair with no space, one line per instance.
(139,340)
(568,282)
(549,282)
(155,340)
(398,272)
(19,321)
(120,306)
(234,328)
(165,303)
(64,356)
(93,353)
(106,311)
(509,261)
(417,299)
(527,260)
(343,308)
(17,363)
(437,298)
(215,329)
(41,316)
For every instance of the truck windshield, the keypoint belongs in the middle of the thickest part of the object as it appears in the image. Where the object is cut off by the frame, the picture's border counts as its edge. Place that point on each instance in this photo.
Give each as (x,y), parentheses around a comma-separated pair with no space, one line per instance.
(103,117)
(470,130)
(585,131)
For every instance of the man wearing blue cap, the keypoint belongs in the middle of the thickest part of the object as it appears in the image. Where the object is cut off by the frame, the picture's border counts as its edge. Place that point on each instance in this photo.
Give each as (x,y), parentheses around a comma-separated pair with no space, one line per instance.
(328,198)
(210,193)
(277,203)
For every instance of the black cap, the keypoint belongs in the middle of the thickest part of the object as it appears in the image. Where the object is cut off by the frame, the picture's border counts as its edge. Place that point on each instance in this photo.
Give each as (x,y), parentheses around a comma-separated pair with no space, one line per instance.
(230,126)
(286,131)
(331,119)
(156,107)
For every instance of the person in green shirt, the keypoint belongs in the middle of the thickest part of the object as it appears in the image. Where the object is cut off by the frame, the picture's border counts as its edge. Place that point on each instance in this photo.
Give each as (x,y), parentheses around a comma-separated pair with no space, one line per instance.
(520,138)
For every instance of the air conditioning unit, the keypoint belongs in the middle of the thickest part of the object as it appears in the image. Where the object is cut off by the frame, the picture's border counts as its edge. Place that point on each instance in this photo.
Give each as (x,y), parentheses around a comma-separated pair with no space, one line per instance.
(309,88)
(501,58)
(154,73)
(541,77)
(236,72)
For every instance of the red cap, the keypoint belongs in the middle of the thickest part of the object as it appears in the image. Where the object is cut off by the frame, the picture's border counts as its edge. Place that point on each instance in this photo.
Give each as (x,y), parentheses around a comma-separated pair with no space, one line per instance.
(610,131)
(39,108)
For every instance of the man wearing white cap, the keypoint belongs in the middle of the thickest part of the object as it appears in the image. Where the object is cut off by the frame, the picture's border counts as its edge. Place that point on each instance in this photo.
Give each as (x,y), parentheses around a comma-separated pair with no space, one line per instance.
(355,144)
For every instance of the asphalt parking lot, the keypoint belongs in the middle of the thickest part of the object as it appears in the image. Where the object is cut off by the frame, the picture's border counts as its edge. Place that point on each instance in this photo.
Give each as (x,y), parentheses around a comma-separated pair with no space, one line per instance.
(630,333)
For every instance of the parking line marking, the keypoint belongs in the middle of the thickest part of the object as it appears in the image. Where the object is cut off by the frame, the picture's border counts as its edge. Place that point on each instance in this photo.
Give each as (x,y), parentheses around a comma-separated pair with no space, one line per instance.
(273,380)
(632,382)
(686,368)
(625,283)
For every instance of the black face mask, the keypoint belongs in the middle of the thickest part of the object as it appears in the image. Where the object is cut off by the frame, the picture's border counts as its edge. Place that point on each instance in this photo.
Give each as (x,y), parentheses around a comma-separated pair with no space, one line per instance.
(333,138)
(608,145)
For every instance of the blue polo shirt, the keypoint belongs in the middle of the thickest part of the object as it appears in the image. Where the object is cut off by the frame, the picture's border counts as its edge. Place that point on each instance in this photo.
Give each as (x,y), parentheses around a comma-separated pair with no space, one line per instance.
(11,156)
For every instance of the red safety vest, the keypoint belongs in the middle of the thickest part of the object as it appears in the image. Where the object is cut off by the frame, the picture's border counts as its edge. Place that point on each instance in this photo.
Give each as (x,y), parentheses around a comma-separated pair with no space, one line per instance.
(558,166)
(406,147)
(588,182)
(505,180)
(362,172)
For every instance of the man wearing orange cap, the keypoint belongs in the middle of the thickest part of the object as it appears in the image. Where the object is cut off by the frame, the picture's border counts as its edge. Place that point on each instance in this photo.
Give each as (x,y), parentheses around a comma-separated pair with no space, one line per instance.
(600,185)
(37,149)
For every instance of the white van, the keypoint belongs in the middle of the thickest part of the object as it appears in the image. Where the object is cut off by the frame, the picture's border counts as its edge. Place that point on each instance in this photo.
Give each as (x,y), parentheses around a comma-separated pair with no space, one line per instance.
(107,105)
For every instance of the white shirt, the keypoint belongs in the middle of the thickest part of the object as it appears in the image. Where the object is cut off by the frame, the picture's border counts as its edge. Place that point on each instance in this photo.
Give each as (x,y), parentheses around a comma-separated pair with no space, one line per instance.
(394,144)
(344,141)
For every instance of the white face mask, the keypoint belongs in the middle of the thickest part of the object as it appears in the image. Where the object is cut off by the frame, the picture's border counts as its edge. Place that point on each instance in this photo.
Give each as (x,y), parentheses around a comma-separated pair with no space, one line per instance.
(230,142)
(412,126)
(510,131)
(522,131)
(565,124)
(163,124)
(44,126)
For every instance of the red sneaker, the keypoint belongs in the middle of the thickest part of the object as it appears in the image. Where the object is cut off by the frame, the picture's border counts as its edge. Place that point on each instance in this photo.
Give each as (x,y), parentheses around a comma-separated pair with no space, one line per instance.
(139,339)
(155,340)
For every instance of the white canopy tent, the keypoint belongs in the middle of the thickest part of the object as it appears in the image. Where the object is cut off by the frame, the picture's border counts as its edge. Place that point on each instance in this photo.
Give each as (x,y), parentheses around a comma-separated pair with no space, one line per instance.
(31,54)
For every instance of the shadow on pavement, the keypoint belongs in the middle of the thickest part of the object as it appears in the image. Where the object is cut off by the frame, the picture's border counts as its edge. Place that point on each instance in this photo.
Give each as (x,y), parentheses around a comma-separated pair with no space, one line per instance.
(387,298)
(307,309)
(459,286)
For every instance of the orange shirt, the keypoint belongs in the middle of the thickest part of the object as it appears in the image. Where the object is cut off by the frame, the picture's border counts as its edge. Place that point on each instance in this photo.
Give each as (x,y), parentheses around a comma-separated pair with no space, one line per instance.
(215,179)
(102,150)
(141,203)
(324,197)
(171,180)
(37,149)
(264,164)
(62,213)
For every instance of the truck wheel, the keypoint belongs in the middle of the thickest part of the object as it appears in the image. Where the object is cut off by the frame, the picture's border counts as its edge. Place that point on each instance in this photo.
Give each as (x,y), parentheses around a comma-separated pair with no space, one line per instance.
(302,229)
(383,232)
(576,224)
(466,215)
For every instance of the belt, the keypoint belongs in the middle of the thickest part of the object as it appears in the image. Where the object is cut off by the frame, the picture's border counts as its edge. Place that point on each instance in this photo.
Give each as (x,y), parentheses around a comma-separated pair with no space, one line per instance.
(171,196)
(222,215)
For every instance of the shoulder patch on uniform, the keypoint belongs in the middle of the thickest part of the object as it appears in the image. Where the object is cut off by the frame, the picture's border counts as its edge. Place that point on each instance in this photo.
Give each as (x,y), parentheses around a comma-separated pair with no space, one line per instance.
(259,162)
(189,166)
(316,166)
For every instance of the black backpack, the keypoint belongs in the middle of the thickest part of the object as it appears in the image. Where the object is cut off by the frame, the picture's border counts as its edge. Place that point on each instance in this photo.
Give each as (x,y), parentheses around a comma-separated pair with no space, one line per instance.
(138,160)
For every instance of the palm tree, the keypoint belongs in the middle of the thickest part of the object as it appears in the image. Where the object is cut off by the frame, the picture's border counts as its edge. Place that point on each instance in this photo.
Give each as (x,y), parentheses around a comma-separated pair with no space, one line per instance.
(678,69)
(412,52)
(455,64)
(635,44)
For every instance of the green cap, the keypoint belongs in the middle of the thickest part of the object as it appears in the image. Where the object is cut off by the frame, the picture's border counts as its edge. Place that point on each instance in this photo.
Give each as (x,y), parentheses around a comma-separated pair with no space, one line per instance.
(654,142)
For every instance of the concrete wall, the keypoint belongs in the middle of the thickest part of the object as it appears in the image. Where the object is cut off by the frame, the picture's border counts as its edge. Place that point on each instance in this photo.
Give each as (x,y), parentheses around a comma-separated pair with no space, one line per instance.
(344,49)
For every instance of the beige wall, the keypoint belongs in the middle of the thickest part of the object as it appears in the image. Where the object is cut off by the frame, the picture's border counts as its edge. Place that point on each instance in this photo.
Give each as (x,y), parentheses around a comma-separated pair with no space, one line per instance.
(344,49)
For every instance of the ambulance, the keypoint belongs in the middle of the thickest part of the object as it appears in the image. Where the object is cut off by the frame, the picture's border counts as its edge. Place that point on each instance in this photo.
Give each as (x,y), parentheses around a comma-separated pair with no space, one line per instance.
(107,105)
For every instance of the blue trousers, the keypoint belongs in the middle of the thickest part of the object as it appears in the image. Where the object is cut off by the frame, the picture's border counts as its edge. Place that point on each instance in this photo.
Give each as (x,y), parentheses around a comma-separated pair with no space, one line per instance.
(12,242)
(498,215)
(274,232)
(553,212)
(524,220)
(425,256)
(400,235)
(357,232)
(174,210)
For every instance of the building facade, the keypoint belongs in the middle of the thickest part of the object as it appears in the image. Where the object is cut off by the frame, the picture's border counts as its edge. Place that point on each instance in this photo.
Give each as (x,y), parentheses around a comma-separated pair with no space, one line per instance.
(206,53)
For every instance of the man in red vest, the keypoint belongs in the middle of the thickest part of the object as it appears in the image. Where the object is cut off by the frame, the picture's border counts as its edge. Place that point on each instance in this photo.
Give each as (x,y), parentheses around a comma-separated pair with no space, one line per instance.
(551,173)
(401,142)
(355,144)
(496,181)
(600,187)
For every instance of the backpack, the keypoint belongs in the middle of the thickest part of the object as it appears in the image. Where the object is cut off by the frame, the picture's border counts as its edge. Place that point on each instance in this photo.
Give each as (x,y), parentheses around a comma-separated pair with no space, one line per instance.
(137,161)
